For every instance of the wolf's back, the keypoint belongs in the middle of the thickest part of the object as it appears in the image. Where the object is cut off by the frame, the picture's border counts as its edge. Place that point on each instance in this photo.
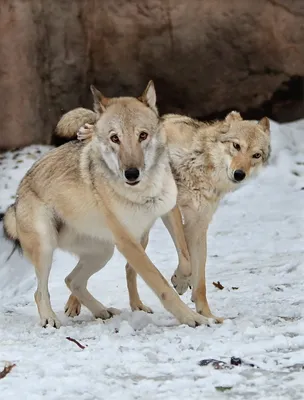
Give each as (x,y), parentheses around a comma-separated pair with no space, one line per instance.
(70,123)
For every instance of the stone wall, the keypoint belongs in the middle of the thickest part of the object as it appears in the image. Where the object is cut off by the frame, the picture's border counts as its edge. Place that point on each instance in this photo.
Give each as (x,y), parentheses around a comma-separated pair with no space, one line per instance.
(205,56)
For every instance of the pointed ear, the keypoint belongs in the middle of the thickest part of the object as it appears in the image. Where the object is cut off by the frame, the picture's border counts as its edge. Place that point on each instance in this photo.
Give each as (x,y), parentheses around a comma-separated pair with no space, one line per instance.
(100,101)
(265,125)
(149,97)
(233,116)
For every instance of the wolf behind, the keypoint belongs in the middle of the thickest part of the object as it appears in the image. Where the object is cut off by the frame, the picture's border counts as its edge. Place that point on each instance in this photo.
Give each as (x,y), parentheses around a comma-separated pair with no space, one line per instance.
(207,161)
(84,197)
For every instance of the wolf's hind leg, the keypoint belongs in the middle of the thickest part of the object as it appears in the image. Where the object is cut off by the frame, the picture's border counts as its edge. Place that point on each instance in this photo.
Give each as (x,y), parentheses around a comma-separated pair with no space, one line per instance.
(42,296)
(39,249)
(77,280)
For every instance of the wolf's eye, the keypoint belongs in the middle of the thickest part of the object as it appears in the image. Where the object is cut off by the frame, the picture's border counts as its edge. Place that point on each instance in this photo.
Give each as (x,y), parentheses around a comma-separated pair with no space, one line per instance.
(257,155)
(237,146)
(115,139)
(142,136)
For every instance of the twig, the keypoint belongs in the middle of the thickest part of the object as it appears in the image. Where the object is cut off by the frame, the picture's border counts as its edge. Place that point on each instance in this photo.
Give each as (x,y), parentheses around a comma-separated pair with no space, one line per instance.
(6,370)
(76,342)
(218,285)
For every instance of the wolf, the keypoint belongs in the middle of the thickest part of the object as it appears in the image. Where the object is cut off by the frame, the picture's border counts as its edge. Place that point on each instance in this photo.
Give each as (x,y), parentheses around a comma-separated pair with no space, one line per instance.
(208,160)
(84,197)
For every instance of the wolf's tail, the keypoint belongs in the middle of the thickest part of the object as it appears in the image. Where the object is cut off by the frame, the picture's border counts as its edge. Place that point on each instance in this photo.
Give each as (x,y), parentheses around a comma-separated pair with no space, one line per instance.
(72,121)
(10,228)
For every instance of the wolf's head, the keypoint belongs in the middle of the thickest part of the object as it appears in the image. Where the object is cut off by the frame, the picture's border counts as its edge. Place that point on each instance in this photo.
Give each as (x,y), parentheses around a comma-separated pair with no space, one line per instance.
(245,145)
(128,134)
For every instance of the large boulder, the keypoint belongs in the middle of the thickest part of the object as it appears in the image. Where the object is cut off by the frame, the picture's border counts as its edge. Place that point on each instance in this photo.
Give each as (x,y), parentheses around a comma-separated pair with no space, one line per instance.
(206,57)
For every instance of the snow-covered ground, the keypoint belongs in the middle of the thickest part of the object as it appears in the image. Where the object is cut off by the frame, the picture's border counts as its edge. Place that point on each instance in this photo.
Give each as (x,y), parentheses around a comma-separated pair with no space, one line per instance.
(256,246)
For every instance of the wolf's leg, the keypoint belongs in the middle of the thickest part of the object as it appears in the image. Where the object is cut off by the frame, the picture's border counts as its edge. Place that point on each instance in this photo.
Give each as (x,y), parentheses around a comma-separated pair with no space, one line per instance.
(72,307)
(196,236)
(136,256)
(77,283)
(42,295)
(38,247)
(43,264)
(181,277)
(135,302)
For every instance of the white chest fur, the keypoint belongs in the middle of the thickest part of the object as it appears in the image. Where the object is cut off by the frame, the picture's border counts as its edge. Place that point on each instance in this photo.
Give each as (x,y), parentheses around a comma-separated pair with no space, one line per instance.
(137,216)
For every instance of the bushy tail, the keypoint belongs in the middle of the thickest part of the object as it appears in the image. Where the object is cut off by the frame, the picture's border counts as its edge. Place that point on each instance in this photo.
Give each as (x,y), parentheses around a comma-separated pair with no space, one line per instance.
(72,121)
(10,228)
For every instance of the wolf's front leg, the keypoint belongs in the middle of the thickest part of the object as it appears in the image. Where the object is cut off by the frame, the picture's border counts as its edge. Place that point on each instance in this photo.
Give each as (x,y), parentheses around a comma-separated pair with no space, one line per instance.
(134,299)
(196,236)
(182,275)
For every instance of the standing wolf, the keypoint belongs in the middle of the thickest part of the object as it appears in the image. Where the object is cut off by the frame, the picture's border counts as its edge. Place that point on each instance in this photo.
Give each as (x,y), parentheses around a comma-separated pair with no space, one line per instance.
(84,197)
(207,161)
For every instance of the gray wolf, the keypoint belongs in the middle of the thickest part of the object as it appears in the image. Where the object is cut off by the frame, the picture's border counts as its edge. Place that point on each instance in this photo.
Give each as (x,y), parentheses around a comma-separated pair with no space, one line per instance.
(84,197)
(208,161)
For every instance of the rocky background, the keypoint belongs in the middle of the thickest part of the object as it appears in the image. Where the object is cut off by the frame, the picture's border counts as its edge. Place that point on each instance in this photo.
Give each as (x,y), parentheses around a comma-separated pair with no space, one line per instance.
(205,56)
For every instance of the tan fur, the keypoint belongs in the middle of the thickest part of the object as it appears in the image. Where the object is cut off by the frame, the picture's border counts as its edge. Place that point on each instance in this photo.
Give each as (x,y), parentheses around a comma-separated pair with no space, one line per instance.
(77,198)
(72,121)
(203,161)
(10,220)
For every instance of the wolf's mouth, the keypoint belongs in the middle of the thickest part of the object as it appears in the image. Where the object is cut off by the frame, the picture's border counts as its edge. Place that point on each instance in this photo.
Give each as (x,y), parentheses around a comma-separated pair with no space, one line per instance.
(233,180)
(132,183)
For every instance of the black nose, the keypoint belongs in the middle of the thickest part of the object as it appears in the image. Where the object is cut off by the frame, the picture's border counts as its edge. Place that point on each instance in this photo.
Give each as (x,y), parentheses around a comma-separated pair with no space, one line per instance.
(239,175)
(132,174)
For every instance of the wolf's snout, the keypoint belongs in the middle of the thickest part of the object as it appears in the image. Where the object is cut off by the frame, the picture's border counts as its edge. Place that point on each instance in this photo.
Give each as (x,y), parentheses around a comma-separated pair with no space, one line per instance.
(131,174)
(239,175)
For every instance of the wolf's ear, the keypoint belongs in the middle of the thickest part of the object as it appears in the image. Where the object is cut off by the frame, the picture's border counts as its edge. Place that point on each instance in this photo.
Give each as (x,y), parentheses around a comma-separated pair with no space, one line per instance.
(100,101)
(265,125)
(149,97)
(233,116)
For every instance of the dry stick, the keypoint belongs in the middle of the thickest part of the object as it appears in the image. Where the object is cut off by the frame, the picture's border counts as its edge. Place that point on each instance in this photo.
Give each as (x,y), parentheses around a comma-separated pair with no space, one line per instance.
(218,285)
(6,370)
(76,342)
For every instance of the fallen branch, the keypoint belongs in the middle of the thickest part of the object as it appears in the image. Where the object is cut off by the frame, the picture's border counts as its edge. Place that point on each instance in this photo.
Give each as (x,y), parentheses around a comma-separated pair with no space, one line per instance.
(218,285)
(6,370)
(76,342)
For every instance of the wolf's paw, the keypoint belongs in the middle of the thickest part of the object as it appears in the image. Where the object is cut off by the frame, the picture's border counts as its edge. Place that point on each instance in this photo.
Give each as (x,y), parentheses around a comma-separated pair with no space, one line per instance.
(191,318)
(139,306)
(202,308)
(85,132)
(113,311)
(217,320)
(180,282)
(72,307)
(50,320)
(107,313)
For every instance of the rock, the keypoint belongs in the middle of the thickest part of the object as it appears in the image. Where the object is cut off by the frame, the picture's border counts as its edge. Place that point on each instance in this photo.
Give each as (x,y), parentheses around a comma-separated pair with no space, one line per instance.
(205,57)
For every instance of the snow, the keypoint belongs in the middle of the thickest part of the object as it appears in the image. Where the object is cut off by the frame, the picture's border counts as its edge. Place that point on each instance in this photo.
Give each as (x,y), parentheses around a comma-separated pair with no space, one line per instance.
(256,244)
